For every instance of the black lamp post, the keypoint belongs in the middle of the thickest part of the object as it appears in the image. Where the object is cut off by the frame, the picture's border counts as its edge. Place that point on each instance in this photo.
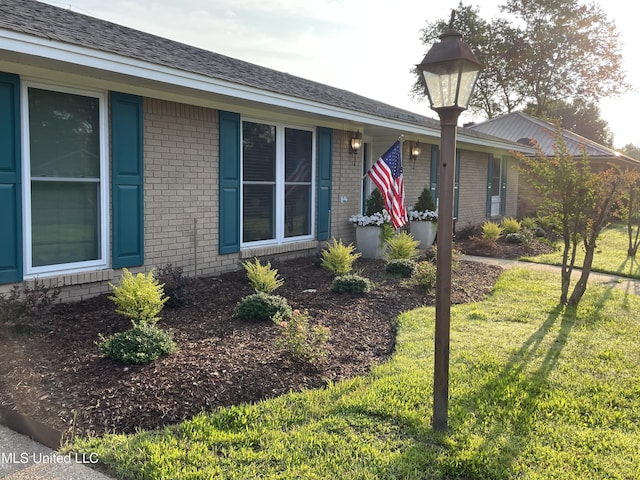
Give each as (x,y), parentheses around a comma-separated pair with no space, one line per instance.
(450,71)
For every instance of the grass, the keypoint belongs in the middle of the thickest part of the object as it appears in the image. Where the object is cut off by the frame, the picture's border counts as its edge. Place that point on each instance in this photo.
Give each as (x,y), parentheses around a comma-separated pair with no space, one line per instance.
(537,391)
(611,254)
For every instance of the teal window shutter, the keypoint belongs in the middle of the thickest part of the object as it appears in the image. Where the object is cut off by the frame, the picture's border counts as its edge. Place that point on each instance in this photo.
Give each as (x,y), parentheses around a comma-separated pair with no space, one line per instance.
(503,186)
(325,146)
(10,180)
(127,183)
(433,175)
(489,179)
(456,186)
(229,179)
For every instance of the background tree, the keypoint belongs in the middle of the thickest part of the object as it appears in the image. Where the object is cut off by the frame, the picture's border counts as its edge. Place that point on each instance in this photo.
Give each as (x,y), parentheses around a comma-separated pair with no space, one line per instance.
(543,53)
(578,200)
(566,51)
(496,90)
(578,117)
(631,150)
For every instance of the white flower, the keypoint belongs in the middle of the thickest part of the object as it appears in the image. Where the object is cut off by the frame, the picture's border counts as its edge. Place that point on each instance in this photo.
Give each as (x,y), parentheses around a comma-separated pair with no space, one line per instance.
(427,216)
(377,219)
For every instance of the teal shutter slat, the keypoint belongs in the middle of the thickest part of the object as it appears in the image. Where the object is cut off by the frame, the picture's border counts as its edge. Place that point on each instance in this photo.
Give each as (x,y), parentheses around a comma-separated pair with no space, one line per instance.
(456,187)
(433,175)
(127,183)
(325,146)
(229,187)
(503,186)
(10,180)
(489,177)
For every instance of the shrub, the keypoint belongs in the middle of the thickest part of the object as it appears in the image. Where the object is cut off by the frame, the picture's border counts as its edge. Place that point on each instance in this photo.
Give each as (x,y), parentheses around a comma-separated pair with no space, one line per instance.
(375,203)
(351,283)
(28,305)
(491,230)
(425,202)
(529,223)
(174,285)
(425,274)
(510,225)
(141,344)
(262,278)
(139,297)
(402,246)
(524,236)
(262,306)
(513,238)
(338,258)
(302,341)
(401,266)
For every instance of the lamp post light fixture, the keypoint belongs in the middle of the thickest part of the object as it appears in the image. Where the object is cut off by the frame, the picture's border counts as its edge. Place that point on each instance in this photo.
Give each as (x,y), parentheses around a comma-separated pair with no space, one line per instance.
(450,71)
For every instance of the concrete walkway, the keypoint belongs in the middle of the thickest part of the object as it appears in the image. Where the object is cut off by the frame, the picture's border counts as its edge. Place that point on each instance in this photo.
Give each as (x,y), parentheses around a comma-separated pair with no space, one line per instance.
(629,285)
(24,459)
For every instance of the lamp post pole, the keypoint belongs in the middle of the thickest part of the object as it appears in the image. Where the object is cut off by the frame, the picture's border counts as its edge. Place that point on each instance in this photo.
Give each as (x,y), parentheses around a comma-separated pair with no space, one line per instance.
(450,71)
(446,176)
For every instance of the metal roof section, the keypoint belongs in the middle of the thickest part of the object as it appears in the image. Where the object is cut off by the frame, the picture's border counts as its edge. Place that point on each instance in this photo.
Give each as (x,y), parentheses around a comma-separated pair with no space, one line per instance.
(44,35)
(521,127)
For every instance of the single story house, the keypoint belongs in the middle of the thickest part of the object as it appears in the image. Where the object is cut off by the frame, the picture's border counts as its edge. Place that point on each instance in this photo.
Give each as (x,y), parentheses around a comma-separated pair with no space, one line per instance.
(523,128)
(119,148)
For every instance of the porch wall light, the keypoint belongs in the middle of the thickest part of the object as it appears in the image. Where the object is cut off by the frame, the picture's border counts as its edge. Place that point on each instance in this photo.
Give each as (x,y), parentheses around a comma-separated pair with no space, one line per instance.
(356,143)
(416,149)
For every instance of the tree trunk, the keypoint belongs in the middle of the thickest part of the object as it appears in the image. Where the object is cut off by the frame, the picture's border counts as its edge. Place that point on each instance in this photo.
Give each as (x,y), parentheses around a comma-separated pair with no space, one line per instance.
(581,284)
(567,268)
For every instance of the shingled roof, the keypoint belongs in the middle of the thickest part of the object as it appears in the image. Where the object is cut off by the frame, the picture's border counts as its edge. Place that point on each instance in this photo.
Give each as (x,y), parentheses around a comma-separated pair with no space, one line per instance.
(46,21)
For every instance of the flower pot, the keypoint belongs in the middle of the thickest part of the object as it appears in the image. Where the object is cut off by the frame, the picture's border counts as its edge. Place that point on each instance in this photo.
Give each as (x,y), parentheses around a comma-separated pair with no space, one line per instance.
(368,241)
(424,232)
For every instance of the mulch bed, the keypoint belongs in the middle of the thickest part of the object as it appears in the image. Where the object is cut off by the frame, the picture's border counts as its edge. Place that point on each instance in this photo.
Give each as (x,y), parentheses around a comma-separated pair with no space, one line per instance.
(57,376)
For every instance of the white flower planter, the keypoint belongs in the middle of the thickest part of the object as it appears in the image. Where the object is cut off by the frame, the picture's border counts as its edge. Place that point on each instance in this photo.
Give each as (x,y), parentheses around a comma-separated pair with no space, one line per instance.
(424,232)
(368,241)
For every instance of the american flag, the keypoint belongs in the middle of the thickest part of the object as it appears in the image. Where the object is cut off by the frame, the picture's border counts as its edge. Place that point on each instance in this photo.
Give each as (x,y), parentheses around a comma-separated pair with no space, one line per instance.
(386,173)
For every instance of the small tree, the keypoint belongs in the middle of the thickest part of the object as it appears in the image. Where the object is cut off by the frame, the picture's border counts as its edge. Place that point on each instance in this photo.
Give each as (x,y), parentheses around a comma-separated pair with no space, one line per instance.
(425,202)
(579,201)
(628,210)
(375,203)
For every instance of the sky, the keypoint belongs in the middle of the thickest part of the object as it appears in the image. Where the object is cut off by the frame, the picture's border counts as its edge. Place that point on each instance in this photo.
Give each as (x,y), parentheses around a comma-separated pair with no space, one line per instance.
(362,46)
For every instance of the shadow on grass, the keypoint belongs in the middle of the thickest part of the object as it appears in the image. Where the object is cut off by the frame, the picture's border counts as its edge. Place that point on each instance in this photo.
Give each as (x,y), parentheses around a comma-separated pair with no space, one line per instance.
(491,425)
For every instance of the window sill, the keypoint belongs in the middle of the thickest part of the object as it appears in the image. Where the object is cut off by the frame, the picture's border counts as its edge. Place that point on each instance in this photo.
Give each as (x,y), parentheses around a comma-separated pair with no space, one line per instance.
(278,249)
(73,278)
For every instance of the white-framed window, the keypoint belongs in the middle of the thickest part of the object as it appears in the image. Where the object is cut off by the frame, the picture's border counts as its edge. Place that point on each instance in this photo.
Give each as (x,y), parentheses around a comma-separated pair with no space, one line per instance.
(278,183)
(65,179)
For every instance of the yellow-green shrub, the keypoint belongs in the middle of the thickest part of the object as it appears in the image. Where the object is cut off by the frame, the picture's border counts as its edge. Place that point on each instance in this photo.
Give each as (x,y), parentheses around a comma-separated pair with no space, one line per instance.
(262,278)
(338,258)
(491,230)
(510,225)
(402,246)
(140,297)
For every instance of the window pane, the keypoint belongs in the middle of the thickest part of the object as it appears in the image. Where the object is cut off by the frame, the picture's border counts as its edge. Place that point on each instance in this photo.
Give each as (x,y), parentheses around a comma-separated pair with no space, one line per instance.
(495,179)
(297,155)
(258,222)
(297,214)
(63,134)
(258,152)
(64,222)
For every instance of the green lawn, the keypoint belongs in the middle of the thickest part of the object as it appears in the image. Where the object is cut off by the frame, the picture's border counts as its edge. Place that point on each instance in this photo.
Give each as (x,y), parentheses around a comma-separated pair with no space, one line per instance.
(611,254)
(537,392)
